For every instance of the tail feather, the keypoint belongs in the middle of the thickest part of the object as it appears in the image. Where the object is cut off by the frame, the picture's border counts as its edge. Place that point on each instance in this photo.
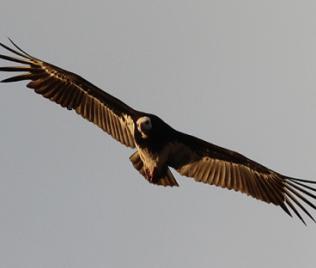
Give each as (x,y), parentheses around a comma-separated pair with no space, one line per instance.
(166,180)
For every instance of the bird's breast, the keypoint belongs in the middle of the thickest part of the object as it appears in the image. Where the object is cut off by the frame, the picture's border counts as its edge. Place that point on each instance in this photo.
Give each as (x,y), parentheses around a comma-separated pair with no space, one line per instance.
(153,160)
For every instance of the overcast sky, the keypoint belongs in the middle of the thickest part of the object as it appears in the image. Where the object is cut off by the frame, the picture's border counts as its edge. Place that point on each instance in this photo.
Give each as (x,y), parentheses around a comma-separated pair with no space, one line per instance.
(240,74)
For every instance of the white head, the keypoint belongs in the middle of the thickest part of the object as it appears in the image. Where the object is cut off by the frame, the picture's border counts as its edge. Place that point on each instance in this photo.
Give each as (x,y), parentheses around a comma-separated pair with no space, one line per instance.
(144,125)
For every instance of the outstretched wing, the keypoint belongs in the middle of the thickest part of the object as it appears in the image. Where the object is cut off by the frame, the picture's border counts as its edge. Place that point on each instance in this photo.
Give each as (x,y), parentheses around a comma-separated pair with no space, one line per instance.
(214,165)
(74,93)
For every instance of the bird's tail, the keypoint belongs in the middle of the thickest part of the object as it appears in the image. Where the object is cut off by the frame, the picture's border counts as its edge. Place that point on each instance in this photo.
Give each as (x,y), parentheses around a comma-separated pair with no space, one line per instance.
(166,180)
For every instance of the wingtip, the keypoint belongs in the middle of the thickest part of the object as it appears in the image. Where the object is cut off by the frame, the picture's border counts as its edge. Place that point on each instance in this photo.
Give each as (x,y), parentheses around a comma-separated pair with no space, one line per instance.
(300,180)
(19,51)
(11,41)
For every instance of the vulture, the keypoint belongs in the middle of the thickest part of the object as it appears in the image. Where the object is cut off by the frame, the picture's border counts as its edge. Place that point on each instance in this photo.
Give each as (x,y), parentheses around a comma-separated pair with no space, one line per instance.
(158,146)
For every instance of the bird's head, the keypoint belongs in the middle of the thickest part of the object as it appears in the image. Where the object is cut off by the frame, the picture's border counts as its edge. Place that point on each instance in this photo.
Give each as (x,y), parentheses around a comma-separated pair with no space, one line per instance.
(144,126)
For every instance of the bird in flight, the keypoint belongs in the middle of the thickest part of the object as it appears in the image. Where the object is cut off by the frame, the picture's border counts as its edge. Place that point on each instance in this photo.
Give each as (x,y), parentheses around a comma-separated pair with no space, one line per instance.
(160,147)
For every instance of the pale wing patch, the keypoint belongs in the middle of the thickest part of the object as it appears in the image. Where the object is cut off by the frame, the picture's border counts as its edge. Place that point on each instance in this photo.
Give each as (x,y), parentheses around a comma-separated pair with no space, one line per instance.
(93,110)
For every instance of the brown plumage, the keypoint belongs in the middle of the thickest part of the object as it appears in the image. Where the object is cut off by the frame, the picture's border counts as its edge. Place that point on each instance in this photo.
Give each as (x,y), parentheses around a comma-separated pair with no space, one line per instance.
(74,93)
(159,146)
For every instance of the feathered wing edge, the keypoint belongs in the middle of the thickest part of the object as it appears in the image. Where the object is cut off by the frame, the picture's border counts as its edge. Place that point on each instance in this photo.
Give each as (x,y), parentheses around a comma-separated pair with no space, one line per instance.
(296,189)
(72,92)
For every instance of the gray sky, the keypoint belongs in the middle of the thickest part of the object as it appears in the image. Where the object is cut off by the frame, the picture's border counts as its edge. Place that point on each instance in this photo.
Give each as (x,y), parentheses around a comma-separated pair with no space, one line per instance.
(241,74)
